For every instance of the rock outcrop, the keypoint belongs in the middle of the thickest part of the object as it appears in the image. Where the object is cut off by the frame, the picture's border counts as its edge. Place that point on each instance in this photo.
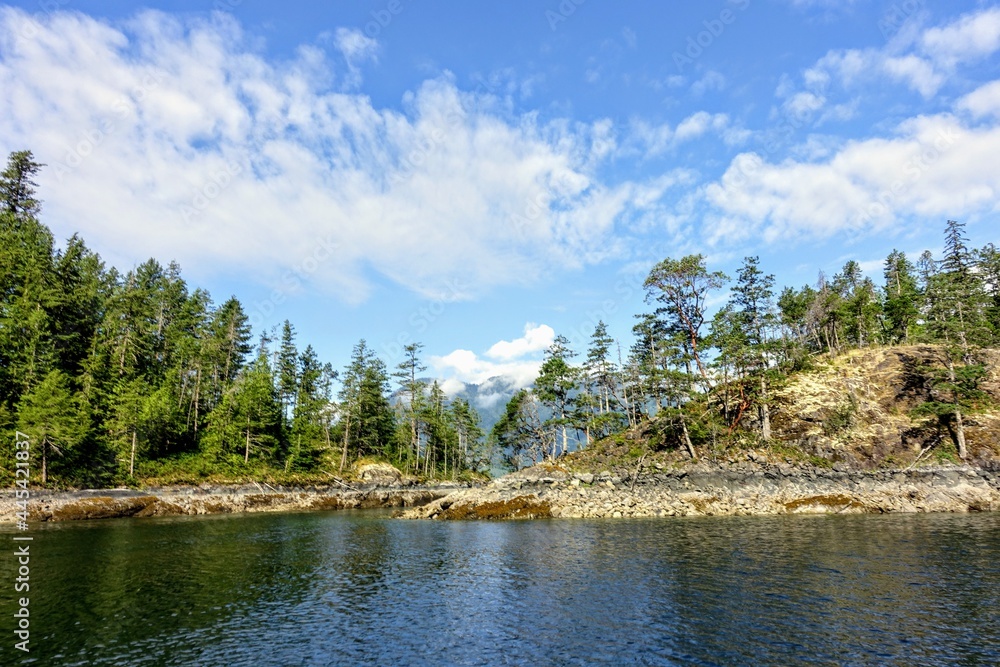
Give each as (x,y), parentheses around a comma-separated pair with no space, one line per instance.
(119,503)
(705,489)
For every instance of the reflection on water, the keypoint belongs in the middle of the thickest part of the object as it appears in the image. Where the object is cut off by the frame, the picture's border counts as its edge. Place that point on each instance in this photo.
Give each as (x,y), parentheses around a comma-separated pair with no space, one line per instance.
(360,588)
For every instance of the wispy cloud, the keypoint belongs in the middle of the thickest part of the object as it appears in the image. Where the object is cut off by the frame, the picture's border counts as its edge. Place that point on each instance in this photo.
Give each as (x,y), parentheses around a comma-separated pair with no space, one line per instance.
(177,137)
(516,360)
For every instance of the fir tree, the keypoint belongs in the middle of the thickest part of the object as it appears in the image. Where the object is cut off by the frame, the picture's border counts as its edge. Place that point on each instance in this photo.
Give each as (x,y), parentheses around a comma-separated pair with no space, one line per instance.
(52,416)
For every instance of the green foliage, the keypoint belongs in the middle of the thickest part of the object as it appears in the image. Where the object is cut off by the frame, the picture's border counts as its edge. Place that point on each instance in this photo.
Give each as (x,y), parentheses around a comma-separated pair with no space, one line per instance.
(124,375)
(519,435)
(53,419)
(902,297)
(843,417)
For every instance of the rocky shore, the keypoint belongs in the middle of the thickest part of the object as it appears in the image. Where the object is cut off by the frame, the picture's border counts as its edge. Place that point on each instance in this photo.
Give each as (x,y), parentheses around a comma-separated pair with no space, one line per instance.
(720,489)
(118,503)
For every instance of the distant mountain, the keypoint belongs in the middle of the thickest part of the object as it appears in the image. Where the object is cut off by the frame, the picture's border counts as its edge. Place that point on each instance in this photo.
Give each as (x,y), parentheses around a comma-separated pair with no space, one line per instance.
(489,398)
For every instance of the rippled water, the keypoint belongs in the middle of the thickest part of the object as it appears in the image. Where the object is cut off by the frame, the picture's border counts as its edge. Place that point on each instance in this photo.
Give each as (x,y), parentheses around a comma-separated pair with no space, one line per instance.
(364,589)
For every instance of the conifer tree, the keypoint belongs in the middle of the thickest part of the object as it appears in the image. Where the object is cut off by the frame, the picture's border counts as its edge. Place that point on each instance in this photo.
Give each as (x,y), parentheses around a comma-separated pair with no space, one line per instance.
(902,297)
(407,374)
(556,382)
(52,416)
(683,287)
(957,314)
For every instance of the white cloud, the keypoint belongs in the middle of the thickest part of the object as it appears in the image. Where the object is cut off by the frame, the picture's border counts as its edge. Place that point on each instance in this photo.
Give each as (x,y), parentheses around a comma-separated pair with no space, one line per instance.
(452,386)
(515,360)
(984,101)
(655,140)
(970,38)
(803,104)
(922,60)
(467,367)
(933,167)
(712,80)
(537,337)
(917,72)
(698,124)
(176,138)
(355,45)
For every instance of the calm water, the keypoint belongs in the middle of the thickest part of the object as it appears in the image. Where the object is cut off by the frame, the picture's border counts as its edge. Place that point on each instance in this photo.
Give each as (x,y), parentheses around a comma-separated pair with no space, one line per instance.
(364,589)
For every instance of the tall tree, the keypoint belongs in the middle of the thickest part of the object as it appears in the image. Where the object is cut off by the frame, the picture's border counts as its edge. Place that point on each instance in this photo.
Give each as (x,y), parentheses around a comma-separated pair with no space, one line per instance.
(988,260)
(366,414)
(287,368)
(52,416)
(17,185)
(555,385)
(683,287)
(248,419)
(957,313)
(465,422)
(902,297)
(307,438)
(752,303)
(519,435)
(408,376)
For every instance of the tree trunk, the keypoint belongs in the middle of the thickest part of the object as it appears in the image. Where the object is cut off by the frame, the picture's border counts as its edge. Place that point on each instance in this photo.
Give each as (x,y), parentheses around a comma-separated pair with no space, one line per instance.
(45,469)
(960,434)
(959,425)
(687,439)
(131,463)
(414,443)
(765,414)
(565,440)
(197,392)
(343,453)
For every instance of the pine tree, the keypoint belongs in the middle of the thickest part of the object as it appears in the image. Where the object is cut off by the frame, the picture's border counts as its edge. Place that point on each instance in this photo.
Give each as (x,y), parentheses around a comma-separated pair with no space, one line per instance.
(752,303)
(519,434)
(366,415)
(127,422)
(407,374)
(600,402)
(683,286)
(902,297)
(248,420)
(287,367)
(17,186)
(52,416)
(988,260)
(556,382)
(465,422)
(957,314)
(308,440)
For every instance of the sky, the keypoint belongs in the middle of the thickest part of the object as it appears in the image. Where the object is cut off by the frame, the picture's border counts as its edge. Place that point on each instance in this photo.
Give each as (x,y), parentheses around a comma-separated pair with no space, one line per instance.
(480,177)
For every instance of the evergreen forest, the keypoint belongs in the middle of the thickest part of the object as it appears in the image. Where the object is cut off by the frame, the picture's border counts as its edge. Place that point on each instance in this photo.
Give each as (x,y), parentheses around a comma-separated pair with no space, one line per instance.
(131,377)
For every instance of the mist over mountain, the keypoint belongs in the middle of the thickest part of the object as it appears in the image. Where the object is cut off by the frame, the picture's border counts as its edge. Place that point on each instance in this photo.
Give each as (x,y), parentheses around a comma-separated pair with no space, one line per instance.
(489,397)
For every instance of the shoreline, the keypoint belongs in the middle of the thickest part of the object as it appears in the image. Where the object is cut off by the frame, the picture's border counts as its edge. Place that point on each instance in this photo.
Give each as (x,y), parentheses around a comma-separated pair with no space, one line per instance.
(548,491)
(90,504)
(718,489)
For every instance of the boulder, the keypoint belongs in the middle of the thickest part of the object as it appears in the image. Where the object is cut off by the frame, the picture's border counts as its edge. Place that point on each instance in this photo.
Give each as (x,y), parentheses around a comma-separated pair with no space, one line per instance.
(379,473)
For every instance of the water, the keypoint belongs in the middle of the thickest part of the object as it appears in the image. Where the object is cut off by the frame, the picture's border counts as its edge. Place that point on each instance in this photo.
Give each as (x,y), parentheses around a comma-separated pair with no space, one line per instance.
(364,589)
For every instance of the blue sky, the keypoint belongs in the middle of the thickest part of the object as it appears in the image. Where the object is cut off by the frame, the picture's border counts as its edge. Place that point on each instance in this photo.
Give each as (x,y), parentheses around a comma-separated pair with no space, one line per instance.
(481,176)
